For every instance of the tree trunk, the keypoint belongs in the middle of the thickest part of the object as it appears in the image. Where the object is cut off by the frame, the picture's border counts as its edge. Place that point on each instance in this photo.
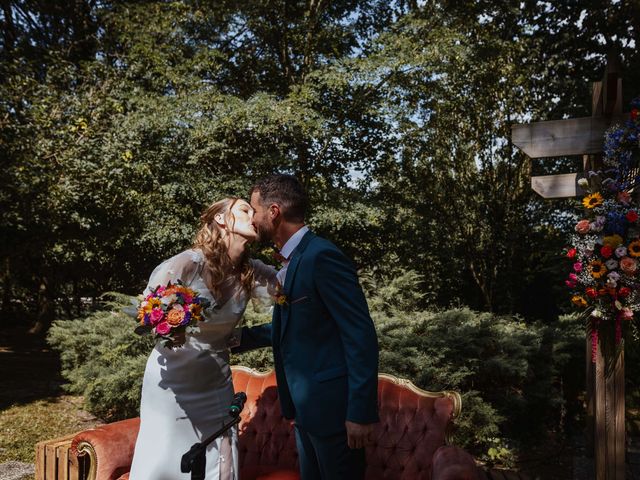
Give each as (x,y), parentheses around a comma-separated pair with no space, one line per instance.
(6,307)
(45,308)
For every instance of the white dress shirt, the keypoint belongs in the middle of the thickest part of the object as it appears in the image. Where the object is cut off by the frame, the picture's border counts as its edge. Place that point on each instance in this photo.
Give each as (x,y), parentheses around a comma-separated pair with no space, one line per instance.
(286,251)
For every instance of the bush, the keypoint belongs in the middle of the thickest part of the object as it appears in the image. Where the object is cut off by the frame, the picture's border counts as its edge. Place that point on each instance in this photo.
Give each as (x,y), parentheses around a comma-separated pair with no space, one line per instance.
(103,359)
(518,380)
(504,368)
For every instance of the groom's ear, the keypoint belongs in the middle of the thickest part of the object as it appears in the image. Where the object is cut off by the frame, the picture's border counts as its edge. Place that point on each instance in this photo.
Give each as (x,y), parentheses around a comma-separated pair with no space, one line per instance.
(274,211)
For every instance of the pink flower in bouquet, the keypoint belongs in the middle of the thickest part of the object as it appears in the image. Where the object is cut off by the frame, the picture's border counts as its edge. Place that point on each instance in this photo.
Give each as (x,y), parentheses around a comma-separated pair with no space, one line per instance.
(157,314)
(628,265)
(624,198)
(163,328)
(583,226)
(571,253)
(577,267)
(626,314)
(572,281)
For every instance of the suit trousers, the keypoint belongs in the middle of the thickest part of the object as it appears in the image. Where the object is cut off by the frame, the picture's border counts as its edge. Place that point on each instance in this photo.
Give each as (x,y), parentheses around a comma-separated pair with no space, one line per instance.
(328,458)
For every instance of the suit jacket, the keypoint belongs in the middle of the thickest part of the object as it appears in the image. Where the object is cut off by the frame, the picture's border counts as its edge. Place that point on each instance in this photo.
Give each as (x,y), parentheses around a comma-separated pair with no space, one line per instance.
(324,343)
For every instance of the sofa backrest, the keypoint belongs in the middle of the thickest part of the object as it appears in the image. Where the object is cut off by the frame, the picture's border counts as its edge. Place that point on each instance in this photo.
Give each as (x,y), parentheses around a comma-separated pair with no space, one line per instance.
(266,437)
(413,424)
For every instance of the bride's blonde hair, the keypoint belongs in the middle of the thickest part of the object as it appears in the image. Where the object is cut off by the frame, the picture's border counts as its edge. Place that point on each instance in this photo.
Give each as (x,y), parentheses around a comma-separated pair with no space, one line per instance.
(209,239)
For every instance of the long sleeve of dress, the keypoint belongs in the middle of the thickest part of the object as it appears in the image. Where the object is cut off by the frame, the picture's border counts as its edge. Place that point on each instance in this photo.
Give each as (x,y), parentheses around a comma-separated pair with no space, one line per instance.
(183,266)
(265,281)
(262,295)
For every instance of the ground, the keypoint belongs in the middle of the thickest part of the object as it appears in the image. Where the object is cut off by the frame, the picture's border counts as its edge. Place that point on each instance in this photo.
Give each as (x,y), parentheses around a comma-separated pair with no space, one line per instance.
(33,405)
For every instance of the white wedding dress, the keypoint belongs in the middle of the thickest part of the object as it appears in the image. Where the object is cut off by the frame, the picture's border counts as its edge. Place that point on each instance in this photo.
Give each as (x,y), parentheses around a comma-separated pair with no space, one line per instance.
(186,392)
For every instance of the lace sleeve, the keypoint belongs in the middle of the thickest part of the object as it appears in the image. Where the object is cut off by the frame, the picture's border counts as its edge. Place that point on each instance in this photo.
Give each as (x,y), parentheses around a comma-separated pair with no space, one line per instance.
(264,275)
(184,267)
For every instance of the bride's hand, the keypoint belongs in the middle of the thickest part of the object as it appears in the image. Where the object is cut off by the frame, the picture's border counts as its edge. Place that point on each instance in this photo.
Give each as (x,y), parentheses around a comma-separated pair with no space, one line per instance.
(179,338)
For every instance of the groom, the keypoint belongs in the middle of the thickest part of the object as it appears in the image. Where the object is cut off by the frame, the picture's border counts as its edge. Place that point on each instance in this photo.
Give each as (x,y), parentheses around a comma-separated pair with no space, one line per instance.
(324,343)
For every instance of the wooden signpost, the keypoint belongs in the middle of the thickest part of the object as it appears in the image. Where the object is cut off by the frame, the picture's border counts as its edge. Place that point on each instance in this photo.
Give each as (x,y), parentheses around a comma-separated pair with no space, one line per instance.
(576,136)
(605,378)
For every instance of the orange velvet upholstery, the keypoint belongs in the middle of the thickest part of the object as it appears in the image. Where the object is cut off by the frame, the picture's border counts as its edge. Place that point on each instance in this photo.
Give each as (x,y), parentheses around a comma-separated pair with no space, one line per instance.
(267,443)
(453,463)
(411,429)
(409,441)
(110,448)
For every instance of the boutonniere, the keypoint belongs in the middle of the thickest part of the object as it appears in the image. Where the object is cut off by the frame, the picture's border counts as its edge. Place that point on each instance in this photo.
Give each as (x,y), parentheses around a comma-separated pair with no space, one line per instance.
(279,297)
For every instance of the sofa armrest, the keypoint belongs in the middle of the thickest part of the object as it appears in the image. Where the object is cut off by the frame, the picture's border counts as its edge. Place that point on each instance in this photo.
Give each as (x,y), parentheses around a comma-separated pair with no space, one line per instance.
(109,447)
(453,463)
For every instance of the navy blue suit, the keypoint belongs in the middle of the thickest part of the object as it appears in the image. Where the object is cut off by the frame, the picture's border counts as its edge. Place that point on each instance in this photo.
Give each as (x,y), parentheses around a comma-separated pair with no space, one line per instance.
(325,352)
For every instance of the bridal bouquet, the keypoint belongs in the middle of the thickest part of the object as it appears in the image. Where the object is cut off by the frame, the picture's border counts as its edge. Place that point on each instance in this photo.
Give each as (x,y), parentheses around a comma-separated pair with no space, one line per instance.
(169,312)
(605,248)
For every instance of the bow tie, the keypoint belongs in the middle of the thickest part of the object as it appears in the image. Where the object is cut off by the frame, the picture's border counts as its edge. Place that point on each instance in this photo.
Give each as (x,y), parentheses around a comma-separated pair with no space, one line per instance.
(278,257)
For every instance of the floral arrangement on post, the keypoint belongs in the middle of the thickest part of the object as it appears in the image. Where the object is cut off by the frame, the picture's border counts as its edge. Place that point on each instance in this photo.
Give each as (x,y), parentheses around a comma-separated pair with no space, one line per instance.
(605,250)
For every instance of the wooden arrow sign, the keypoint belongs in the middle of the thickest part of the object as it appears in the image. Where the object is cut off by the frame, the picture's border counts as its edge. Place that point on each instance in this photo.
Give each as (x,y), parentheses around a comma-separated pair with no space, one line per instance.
(558,138)
(557,186)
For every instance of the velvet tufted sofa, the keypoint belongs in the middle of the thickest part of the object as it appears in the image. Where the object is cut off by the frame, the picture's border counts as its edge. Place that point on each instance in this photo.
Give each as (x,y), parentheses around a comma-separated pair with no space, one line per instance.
(409,441)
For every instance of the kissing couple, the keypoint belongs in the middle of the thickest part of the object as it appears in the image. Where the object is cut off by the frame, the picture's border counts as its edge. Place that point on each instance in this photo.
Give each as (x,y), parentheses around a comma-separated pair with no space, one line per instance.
(323,340)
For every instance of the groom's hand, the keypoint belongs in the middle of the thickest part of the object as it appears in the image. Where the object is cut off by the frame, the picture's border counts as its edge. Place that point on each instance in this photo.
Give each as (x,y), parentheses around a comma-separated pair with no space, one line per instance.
(358,435)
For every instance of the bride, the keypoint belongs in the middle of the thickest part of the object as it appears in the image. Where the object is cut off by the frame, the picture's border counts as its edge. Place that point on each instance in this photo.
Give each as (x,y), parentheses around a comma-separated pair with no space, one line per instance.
(186,392)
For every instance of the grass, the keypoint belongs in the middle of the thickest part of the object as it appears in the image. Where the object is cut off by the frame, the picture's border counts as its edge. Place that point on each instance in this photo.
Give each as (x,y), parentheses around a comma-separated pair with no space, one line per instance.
(24,425)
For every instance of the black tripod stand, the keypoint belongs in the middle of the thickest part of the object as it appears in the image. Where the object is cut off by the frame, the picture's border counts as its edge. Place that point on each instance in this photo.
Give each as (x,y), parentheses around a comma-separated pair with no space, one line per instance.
(194,460)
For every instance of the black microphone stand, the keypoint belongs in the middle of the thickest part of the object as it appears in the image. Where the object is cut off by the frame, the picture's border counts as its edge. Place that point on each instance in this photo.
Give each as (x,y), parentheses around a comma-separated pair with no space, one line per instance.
(194,460)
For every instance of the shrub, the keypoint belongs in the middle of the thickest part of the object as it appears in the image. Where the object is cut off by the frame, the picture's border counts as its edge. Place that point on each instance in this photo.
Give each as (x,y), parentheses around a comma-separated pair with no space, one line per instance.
(517,379)
(103,359)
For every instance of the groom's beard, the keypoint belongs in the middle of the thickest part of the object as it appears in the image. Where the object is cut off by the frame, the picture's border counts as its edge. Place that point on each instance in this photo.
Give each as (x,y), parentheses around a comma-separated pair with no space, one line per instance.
(265,234)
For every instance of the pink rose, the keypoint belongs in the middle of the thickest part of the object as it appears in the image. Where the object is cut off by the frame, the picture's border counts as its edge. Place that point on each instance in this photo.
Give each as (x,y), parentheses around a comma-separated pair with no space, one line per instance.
(157,314)
(626,314)
(573,277)
(583,226)
(624,198)
(577,267)
(628,265)
(163,328)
